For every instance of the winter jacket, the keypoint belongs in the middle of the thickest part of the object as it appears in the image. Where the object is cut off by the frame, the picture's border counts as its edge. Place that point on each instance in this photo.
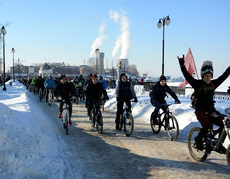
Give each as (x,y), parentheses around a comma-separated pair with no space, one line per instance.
(65,90)
(158,93)
(49,83)
(94,91)
(204,93)
(125,91)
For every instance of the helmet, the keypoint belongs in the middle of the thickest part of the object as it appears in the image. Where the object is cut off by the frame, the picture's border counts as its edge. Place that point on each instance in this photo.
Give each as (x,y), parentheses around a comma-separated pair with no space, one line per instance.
(206,68)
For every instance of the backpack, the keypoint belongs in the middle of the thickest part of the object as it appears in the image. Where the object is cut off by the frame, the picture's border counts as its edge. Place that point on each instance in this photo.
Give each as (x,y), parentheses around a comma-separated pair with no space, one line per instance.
(193,96)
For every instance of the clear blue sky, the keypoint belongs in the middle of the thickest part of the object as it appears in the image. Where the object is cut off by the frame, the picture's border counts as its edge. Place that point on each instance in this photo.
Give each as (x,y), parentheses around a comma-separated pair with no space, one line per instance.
(65,30)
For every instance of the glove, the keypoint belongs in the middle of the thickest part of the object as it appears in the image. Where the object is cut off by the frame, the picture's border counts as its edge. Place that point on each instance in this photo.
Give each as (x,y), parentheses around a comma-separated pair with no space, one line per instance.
(228,90)
(181,60)
(228,70)
(118,99)
(177,101)
(135,100)
(155,103)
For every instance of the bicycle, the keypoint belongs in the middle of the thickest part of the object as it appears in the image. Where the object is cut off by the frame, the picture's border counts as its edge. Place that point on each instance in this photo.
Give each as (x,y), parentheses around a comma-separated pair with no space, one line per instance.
(126,119)
(167,120)
(50,97)
(96,118)
(211,142)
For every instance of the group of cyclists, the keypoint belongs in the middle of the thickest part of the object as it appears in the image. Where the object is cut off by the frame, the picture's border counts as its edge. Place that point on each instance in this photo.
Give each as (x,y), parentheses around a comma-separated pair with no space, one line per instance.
(93,90)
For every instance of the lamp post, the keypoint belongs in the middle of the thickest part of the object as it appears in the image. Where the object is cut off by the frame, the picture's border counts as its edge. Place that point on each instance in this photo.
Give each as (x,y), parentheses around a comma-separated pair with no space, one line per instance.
(13,51)
(167,21)
(97,52)
(18,67)
(3,31)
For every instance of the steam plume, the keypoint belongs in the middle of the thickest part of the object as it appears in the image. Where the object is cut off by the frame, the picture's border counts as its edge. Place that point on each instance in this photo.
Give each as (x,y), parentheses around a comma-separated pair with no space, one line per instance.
(122,41)
(98,41)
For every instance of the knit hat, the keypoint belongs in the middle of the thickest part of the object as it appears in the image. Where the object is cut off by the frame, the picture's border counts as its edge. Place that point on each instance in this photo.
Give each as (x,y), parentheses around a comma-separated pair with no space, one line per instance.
(122,75)
(62,77)
(206,68)
(94,75)
(162,77)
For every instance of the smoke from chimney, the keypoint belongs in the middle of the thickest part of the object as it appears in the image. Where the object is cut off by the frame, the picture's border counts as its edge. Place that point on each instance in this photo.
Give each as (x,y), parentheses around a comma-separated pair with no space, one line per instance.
(98,41)
(122,41)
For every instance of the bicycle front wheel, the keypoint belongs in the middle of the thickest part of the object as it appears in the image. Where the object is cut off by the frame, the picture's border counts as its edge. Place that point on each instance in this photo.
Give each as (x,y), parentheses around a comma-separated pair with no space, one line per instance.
(128,125)
(92,121)
(155,124)
(173,128)
(40,95)
(99,124)
(196,154)
(66,121)
(49,100)
(121,122)
(228,156)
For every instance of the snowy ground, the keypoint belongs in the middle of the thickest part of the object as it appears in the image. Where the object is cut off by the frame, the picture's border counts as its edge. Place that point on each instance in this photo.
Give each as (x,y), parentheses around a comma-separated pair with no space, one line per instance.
(30,146)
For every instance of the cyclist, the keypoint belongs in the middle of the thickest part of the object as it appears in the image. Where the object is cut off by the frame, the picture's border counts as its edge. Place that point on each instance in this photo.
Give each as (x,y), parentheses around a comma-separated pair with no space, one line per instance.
(40,84)
(204,89)
(88,81)
(49,84)
(103,82)
(33,83)
(158,95)
(124,93)
(64,90)
(82,80)
(94,92)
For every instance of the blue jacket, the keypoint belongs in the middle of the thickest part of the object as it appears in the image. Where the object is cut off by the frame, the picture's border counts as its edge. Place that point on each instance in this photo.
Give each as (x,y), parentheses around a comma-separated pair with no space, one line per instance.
(49,83)
(104,84)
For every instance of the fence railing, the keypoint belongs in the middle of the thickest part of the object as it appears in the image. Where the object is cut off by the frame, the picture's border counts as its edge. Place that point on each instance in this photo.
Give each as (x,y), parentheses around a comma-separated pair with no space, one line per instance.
(181,91)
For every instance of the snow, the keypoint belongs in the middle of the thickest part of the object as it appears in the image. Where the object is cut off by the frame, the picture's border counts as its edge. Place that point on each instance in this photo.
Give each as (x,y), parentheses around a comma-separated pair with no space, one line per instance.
(30,145)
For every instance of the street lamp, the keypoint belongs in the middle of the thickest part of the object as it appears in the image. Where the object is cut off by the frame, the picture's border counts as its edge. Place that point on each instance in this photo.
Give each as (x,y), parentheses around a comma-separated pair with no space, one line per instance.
(97,52)
(13,51)
(167,21)
(3,31)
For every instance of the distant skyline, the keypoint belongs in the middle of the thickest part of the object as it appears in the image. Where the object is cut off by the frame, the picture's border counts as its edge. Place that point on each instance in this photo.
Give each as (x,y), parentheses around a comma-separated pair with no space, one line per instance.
(70,31)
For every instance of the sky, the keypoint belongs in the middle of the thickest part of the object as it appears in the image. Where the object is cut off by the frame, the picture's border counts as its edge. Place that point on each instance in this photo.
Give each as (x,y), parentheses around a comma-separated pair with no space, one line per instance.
(33,149)
(70,31)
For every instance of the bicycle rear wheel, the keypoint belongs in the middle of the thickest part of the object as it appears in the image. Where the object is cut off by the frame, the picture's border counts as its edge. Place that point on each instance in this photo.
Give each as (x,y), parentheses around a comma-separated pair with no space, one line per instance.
(155,124)
(196,154)
(99,124)
(128,125)
(173,128)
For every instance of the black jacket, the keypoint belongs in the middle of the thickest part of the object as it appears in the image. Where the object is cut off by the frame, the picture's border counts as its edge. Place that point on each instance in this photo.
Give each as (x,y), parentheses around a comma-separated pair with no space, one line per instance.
(95,91)
(65,90)
(158,93)
(125,91)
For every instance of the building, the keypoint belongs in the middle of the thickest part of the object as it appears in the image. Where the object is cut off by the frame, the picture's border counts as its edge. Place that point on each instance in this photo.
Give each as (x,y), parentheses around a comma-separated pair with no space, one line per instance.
(45,70)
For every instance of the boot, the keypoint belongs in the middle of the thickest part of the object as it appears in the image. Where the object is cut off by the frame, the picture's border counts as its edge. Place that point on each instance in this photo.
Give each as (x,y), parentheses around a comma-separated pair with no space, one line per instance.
(60,115)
